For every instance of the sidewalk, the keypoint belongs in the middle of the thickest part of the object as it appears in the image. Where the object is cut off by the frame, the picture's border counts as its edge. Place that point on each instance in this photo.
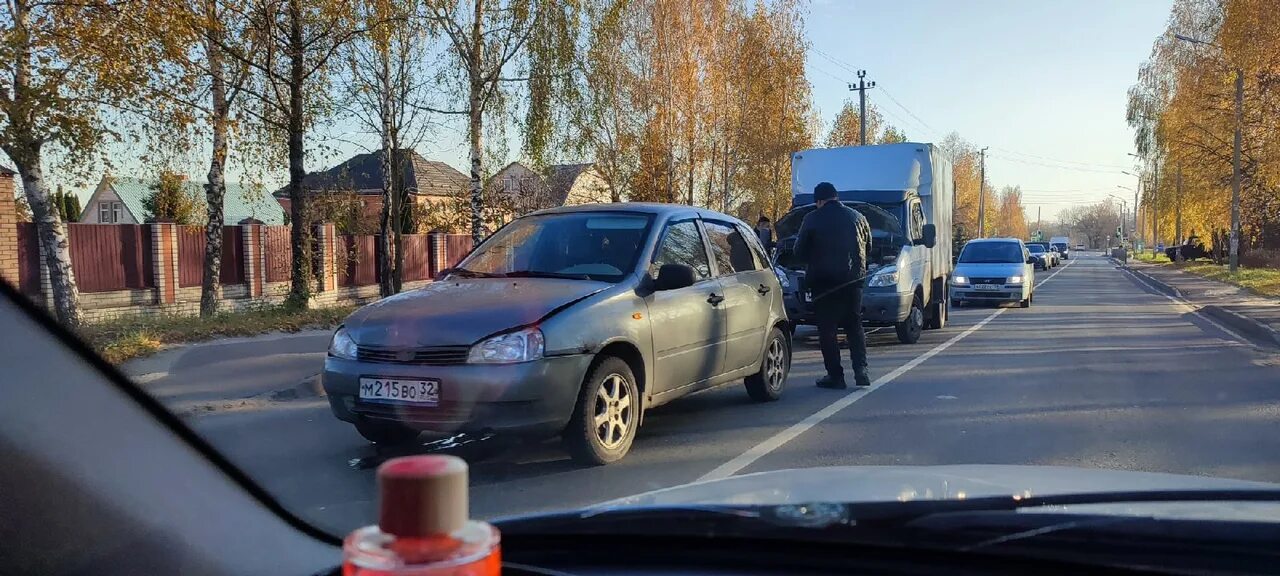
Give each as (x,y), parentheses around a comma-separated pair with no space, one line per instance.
(1256,317)
(234,373)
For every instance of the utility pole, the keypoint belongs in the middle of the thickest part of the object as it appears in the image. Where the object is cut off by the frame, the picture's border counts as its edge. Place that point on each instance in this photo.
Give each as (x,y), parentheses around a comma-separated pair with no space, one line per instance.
(1038,228)
(1235,174)
(1177,208)
(982,195)
(862,88)
(1155,206)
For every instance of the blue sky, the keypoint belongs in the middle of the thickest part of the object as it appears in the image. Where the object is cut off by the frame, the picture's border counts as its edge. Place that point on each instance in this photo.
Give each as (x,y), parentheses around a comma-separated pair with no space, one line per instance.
(1039,82)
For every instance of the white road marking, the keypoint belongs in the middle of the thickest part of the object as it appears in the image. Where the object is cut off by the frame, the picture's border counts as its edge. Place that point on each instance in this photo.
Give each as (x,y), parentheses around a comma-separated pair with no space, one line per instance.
(1189,307)
(777,440)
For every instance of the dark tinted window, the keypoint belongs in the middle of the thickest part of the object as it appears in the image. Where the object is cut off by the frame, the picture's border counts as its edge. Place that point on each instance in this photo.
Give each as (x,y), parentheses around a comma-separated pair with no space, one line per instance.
(729,248)
(991,253)
(682,244)
(1035,248)
(757,249)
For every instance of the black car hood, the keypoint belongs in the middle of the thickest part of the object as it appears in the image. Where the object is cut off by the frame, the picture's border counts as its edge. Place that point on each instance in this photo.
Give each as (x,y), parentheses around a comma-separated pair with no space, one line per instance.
(462,311)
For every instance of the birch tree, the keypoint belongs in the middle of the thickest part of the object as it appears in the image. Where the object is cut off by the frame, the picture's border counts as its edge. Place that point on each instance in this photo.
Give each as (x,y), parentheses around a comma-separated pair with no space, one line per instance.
(54,84)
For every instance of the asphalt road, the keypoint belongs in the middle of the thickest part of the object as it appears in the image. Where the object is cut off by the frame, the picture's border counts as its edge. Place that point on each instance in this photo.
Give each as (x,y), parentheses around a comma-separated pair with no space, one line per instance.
(1101,372)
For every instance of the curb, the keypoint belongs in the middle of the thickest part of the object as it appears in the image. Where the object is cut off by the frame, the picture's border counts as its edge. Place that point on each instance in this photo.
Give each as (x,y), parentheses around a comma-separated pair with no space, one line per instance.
(1248,327)
(1245,325)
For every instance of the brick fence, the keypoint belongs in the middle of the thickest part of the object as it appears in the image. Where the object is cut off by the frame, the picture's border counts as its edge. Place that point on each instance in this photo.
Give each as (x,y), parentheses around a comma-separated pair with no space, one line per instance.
(137,269)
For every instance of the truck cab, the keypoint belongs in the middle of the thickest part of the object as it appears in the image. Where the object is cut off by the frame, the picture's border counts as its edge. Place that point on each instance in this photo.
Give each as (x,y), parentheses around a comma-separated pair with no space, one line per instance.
(904,190)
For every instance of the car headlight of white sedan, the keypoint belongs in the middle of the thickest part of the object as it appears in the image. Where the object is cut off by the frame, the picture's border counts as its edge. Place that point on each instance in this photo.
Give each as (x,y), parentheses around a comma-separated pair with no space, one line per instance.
(887,276)
(342,345)
(519,346)
(1015,280)
(960,280)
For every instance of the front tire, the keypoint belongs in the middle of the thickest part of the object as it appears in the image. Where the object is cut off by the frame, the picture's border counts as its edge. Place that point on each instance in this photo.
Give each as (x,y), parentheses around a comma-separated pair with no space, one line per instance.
(386,434)
(766,385)
(604,422)
(909,330)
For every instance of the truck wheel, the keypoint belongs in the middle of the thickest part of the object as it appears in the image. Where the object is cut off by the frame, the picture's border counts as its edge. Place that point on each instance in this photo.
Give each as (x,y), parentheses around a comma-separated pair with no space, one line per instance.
(766,385)
(604,423)
(909,329)
(937,314)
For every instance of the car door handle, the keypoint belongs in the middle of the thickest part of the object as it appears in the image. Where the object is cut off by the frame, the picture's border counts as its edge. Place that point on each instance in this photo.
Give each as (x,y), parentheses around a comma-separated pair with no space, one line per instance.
(715,298)
(762,290)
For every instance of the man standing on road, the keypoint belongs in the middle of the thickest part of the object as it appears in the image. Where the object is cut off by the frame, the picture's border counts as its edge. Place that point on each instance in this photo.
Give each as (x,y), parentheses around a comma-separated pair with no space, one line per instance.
(833,243)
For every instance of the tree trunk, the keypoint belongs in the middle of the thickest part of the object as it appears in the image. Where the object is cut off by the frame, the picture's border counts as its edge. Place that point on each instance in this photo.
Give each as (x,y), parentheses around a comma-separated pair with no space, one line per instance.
(26,154)
(55,247)
(215,191)
(401,214)
(475,111)
(300,231)
(386,286)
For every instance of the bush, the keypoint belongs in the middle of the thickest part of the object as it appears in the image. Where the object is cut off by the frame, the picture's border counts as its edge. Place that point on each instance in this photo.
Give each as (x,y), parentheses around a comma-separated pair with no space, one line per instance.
(1261,258)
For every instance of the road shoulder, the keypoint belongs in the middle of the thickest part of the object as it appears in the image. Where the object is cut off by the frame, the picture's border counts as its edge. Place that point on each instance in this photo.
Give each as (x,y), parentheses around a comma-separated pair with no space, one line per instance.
(1255,317)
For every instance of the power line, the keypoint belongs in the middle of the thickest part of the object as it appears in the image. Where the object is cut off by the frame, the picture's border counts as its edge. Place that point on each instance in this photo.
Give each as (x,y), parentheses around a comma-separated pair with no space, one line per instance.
(930,129)
(1060,161)
(1059,166)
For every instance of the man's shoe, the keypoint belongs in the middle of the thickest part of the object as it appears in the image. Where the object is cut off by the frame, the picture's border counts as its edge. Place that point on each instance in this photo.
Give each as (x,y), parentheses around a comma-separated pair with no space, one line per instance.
(861,379)
(832,383)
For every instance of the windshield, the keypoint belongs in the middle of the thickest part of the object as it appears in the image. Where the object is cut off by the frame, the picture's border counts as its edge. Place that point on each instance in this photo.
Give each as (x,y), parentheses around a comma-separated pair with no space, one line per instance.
(591,245)
(991,253)
(557,239)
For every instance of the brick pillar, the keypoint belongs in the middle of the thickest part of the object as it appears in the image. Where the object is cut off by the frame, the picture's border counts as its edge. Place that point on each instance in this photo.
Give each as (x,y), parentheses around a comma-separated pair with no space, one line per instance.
(327,243)
(164,258)
(8,229)
(254,270)
(438,252)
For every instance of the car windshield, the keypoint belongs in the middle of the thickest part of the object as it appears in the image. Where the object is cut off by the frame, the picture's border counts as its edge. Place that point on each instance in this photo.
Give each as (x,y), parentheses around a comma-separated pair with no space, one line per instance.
(991,253)
(558,240)
(590,245)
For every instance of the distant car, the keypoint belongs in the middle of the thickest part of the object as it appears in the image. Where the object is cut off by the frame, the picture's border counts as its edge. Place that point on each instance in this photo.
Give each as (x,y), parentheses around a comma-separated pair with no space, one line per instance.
(1052,257)
(1043,258)
(1061,244)
(568,321)
(993,271)
(1080,247)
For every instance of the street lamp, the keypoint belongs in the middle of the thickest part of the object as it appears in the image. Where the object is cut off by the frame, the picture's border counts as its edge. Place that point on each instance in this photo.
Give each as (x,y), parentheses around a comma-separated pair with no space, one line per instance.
(1235,156)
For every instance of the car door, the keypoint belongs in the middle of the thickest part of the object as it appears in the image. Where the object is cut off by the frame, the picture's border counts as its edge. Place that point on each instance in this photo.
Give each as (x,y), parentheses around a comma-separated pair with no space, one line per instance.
(748,293)
(688,323)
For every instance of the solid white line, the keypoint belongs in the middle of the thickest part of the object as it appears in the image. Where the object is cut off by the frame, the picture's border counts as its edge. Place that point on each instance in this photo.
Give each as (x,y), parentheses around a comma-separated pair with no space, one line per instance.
(777,440)
(1192,308)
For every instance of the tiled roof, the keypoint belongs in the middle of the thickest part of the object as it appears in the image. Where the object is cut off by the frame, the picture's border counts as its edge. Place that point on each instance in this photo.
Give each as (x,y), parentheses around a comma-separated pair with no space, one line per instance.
(560,179)
(362,174)
(238,204)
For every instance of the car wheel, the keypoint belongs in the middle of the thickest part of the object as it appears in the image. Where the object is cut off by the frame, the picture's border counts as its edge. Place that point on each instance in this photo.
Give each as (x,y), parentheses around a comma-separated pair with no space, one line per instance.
(766,385)
(909,329)
(386,433)
(937,314)
(604,422)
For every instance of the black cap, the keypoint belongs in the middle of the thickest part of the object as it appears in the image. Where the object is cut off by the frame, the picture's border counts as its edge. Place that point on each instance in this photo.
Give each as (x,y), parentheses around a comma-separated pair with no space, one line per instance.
(824,191)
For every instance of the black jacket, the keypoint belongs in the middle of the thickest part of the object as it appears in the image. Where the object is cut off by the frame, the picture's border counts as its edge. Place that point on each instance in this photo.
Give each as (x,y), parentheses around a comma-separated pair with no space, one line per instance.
(833,242)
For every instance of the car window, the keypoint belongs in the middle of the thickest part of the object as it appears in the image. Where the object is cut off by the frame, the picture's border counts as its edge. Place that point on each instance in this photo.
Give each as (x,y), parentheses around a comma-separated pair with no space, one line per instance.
(760,257)
(991,253)
(682,244)
(597,246)
(729,248)
(917,222)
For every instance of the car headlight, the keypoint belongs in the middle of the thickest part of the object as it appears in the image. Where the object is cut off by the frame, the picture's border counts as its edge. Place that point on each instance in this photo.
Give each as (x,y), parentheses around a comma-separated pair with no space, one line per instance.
(959,280)
(519,346)
(782,277)
(1015,280)
(887,276)
(342,345)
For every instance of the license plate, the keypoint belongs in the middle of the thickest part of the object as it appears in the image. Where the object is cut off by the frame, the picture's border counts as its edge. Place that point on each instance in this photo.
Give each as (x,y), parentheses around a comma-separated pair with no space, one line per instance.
(400,390)
(986,286)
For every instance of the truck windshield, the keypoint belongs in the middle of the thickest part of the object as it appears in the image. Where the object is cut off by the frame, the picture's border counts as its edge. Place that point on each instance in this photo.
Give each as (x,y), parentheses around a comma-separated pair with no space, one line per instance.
(991,253)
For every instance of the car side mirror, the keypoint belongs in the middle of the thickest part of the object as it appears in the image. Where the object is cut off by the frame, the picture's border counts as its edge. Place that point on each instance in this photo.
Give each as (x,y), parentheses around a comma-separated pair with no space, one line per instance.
(674,276)
(930,236)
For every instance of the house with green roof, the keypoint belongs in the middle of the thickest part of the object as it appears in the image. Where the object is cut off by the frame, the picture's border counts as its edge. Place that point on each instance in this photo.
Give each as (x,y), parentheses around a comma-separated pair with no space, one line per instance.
(118,200)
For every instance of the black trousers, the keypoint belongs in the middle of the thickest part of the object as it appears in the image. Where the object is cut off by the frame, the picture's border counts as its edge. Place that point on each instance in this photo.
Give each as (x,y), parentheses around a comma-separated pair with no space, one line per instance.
(840,308)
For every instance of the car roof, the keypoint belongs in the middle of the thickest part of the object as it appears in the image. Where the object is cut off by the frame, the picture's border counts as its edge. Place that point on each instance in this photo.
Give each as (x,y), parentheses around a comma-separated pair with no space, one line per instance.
(655,208)
(985,240)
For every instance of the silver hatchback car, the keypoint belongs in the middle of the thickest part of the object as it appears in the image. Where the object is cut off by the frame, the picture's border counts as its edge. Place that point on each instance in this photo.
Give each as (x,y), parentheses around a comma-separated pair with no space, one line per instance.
(570,321)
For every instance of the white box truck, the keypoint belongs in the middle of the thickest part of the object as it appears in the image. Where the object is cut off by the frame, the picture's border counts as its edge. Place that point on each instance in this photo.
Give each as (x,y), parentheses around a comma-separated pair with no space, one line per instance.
(906,192)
